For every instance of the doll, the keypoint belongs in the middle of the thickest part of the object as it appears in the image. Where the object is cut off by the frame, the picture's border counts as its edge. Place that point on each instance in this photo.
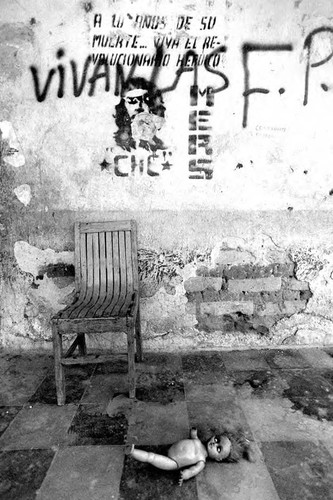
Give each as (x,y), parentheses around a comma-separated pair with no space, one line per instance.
(190,455)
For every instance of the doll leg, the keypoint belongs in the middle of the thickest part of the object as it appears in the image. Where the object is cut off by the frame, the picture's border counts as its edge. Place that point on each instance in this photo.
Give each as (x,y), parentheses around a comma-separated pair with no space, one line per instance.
(159,461)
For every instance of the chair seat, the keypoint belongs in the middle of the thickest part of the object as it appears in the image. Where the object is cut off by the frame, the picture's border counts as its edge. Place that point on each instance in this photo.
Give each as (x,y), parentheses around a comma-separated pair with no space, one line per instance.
(98,307)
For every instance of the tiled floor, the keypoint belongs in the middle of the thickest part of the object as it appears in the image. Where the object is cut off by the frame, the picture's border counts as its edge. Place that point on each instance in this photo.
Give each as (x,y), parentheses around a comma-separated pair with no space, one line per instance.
(283,399)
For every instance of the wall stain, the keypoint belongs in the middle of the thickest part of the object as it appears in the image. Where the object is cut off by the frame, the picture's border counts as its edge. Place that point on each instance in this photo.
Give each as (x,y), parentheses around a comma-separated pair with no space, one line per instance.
(57,271)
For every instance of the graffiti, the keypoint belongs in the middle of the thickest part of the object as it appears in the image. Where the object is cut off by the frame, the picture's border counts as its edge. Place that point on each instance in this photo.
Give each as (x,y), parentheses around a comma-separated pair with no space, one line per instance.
(199,143)
(96,68)
(131,59)
(246,50)
(116,41)
(101,70)
(125,164)
(308,44)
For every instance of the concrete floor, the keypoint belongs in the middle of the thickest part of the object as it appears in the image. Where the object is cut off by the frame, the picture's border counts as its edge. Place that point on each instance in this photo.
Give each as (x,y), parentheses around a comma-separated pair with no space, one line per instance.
(283,400)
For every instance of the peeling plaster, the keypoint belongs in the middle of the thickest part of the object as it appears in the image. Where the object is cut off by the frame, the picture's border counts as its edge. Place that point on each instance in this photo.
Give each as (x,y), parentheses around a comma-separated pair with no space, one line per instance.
(319,273)
(313,326)
(12,150)
(23,193)
(261,249)
(303,329)
(49,295)
(31,259)
(308,263)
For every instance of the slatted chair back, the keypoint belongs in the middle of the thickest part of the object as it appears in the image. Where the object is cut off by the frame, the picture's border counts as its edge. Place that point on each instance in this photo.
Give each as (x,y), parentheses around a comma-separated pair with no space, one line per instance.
(106,268)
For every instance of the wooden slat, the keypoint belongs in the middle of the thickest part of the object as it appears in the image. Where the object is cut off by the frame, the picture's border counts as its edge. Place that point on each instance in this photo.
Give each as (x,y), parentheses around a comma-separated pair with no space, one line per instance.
(93,291)
(129,273)
(102,275)
(83,257)
(122,275)
(91,325)
(92,227)
(109,276)
(116,275)
(129,266)
(94,294)
(77,257)
(134,252)
(79,311)
(82,271)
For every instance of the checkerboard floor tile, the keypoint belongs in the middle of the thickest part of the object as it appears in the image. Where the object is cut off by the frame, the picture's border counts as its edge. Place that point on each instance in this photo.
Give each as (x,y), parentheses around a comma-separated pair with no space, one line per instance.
(282,399)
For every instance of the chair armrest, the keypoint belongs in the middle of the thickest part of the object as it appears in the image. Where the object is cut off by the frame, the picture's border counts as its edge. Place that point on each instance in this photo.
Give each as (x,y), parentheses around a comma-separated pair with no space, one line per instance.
(133,308)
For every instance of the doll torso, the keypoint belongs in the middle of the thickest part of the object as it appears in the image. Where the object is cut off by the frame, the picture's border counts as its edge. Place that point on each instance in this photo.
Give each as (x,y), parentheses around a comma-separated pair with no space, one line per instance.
(188,452)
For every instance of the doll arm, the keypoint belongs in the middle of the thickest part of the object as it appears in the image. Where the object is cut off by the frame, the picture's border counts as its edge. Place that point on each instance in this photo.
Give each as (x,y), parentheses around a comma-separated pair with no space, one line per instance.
(191,471)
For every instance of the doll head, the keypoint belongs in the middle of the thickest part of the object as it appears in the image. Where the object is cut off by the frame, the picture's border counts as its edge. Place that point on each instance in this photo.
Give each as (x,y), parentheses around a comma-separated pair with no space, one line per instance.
(219,447)
(230,447)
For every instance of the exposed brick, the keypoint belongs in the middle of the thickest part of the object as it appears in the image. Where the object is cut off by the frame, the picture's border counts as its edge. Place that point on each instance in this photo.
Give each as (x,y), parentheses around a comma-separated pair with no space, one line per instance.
(255,285)
(236,272)
(194,296)
(227,296)
(220,308)
(210,295)
(294,306)
(294,284)
(213,283)
(254,271)
(269,309)
(254,296)
(280,269)
(291,295)
(216,272)
(200,283)
(212,323)
(271,296)
(261,271)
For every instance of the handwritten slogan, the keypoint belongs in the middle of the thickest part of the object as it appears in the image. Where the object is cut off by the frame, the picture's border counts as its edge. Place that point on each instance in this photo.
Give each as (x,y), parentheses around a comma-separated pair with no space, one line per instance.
(133,39)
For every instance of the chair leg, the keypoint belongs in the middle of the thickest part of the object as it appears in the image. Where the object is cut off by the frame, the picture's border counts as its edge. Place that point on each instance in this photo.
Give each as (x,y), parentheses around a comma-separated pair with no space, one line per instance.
(58,367)
(139,356)
(131,361)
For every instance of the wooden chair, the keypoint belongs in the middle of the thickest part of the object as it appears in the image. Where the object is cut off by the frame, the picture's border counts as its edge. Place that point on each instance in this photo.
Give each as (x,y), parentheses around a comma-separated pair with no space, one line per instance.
(107,297)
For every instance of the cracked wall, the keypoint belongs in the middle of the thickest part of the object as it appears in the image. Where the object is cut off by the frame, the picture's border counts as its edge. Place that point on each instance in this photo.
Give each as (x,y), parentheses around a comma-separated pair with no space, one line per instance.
(236,253)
